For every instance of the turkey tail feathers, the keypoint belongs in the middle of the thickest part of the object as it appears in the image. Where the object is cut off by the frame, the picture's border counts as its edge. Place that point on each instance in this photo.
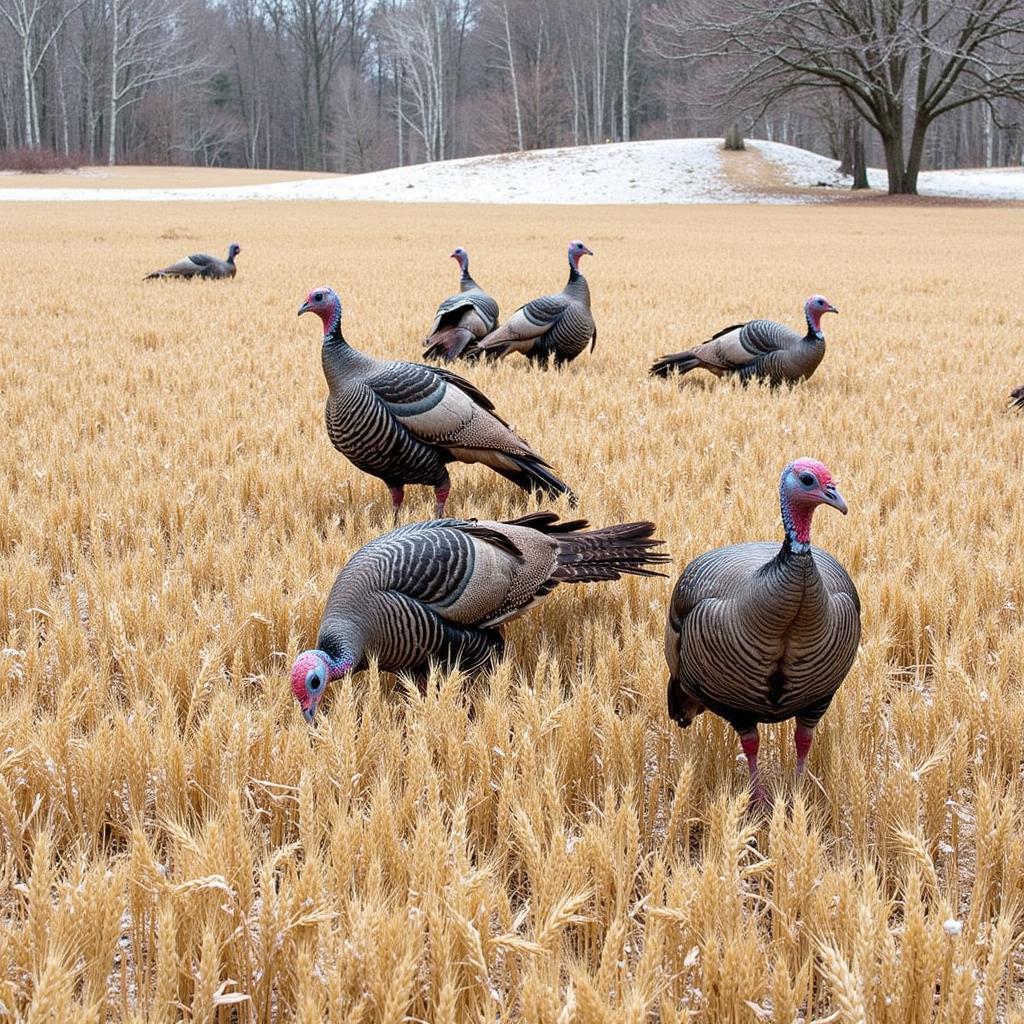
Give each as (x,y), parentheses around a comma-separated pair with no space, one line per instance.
(451,343)
(681,361)
(608,553)
(531,475)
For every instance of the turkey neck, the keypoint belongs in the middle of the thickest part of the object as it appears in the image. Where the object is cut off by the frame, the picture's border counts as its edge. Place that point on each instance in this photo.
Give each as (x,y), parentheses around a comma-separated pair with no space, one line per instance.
(813,335)
(790,585)
(576,287)
(466,282)
(342,641)
(341,362)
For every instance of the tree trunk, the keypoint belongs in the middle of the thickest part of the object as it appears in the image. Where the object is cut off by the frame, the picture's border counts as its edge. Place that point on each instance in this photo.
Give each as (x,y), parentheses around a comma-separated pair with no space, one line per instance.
(625,70)
(515,83)
(849,146)
(114,56)
(860,164)
(63,96)
(892,143)
(734,138)
(913,167)
(26,83)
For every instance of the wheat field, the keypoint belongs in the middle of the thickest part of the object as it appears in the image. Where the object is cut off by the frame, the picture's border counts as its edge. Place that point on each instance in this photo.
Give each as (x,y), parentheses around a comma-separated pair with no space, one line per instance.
(541,844)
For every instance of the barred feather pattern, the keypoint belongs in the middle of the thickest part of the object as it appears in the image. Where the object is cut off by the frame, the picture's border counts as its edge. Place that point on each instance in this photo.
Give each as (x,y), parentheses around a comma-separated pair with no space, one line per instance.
(438,590)
(1017,397)
(757,350)
(405,422)
(756,633)
(554,327)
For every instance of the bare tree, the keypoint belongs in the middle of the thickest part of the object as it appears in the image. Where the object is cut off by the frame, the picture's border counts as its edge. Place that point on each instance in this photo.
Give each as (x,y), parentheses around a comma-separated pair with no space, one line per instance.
(322,31)
(424,39)
(146,47)
(627,41)
(901,63)
(510,54)
(36,24)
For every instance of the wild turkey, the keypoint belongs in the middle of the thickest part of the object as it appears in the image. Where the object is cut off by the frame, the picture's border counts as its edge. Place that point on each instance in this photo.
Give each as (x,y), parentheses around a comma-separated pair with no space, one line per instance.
(758,350)
(404,422)
(1017,398)
(461,320)
(758,633)
(438,592)
(201,265)
(556,326)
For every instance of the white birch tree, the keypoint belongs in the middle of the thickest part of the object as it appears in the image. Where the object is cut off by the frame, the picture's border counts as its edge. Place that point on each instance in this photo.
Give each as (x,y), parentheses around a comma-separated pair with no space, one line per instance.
(36,25)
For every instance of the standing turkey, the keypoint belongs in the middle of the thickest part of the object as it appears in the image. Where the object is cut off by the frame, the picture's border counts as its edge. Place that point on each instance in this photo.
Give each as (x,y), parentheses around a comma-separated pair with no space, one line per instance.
(1017,398)
(404,422)
(461,320)
(553,326)
(438,591)
(201,265)
(758,350)
(758,633)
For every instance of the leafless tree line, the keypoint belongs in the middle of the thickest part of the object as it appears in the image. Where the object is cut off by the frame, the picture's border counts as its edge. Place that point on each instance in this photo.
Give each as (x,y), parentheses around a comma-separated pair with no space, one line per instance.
(357,84)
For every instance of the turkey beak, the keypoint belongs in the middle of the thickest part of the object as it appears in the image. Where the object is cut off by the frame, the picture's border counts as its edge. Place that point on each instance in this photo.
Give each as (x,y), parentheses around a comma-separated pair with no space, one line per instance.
(310,713)
(832,309)
(304,308)
(830,496)
(587,252)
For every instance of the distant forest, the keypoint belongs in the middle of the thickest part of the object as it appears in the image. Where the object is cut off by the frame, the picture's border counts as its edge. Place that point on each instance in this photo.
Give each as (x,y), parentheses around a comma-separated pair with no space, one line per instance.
(355,85)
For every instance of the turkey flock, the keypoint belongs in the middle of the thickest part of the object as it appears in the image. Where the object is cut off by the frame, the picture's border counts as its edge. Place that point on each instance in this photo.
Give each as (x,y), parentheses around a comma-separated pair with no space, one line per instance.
(759,632)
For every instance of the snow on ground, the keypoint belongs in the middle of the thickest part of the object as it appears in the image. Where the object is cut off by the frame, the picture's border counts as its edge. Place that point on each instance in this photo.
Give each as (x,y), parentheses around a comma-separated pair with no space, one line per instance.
(663,171)
(807,169)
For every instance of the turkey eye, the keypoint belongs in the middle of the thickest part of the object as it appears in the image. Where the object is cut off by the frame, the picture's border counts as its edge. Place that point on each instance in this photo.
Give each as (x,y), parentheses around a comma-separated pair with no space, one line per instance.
(318,297)
(806,479)
(315,683)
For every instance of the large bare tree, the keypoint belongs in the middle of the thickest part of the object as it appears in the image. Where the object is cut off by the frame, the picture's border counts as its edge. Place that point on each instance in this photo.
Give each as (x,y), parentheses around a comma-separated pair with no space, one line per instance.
(901,64)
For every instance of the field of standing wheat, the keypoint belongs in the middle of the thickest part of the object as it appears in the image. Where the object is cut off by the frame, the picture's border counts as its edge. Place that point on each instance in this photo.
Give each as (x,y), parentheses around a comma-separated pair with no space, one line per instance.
(541,844)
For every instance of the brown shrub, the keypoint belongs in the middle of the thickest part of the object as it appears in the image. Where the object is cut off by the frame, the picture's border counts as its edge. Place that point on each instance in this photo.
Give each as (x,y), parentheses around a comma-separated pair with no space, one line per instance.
(26,160)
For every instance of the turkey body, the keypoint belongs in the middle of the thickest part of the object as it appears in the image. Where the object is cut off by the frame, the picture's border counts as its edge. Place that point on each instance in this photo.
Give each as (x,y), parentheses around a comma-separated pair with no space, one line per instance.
(201,265)
(756,633)
(758,350)
(1017,397)
(460,322)
(406,422)
(553,327)
(438,590)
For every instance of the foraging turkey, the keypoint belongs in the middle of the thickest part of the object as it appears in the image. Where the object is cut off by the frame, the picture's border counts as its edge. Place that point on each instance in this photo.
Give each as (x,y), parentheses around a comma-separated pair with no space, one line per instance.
(461,320)
(758,633)
(556,326)
(439,591)
(1017,398)
(404,422)
(201,265)
(758,350)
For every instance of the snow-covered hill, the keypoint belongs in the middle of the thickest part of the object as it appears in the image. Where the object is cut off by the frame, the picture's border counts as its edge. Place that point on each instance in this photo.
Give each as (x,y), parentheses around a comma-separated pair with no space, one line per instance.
(664,171)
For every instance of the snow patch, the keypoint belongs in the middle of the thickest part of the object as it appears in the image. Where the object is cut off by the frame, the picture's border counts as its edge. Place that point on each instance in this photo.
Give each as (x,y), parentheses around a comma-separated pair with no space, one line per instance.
(676,171)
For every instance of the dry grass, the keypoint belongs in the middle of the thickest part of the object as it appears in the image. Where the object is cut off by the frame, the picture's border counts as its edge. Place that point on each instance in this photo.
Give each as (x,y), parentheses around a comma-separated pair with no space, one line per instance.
(136,176)
(543,845)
